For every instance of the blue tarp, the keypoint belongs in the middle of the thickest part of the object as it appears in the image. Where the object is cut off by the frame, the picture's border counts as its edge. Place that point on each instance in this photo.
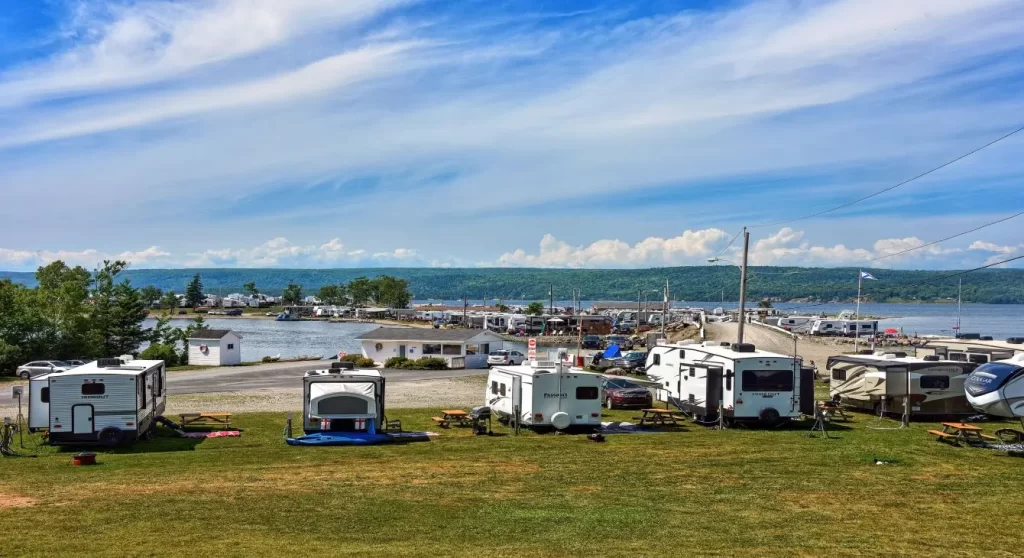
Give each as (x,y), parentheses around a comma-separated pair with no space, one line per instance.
(612,352)
(339,439)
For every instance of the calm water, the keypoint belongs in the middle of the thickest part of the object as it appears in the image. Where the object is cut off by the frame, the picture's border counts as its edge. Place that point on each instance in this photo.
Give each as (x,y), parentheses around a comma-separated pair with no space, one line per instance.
(269,338)
(262,338)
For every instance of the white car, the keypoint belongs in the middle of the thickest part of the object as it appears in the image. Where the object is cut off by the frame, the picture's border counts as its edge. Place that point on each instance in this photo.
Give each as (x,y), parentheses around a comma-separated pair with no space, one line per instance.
(505,358)
(40,367)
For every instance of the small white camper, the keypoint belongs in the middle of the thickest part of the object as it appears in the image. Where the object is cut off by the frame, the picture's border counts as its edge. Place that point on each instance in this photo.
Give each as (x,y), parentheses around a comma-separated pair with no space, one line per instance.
(750,385)
(548,394)
(105,402)
(827,327)
(341,400)
(39,403)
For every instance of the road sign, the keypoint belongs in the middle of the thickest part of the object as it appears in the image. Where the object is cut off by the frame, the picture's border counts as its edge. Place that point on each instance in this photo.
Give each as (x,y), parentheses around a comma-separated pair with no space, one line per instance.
(532,353)
(342,354)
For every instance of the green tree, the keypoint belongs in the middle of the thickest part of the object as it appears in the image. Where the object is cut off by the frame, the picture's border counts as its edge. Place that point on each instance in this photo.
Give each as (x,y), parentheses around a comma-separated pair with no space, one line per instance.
(169,301)
(117,312)
(764,303)
(150,294)
(360,290)
(18,324)
(392,292)
(62,302)
(194,292)
(535,309)
(292,294)
(250,288)
(332,294)
(502,307)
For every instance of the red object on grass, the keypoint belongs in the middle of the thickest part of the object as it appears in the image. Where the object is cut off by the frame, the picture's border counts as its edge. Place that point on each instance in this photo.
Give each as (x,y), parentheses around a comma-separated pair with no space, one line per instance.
(84,458)
(892,330)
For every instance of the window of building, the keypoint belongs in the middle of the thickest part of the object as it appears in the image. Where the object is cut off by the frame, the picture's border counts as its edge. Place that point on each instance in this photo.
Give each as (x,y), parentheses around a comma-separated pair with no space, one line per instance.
(455,350)
(935,382)
(44,395)
(231,346)
(431,349)
(767,380)
(93,389)
(586,392)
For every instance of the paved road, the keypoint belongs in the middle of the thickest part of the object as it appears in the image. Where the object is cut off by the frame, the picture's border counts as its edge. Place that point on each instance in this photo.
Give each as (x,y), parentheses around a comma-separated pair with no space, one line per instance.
(264,376)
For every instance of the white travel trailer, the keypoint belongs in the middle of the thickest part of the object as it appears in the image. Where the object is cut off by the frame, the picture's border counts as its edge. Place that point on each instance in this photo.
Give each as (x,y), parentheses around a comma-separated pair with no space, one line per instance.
(750,385)
(106,402)
(827,327)
(971,350)
(860,328)
(39,403)
(879,381)
(997,388)
(548,394)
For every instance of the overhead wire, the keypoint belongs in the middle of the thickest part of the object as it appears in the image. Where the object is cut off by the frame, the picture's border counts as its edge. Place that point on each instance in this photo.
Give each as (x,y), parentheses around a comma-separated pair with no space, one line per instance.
(893,187)
(933,243)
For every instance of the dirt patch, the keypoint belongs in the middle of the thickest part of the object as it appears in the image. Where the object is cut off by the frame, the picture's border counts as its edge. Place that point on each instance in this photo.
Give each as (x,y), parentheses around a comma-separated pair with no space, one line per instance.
(12,501)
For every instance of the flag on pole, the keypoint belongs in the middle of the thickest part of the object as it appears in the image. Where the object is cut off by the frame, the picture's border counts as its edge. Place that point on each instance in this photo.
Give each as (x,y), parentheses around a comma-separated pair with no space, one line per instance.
(866,275)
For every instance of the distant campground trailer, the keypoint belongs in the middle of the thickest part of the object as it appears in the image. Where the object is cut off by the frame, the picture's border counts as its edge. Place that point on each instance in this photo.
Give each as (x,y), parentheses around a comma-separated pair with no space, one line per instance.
(548,395)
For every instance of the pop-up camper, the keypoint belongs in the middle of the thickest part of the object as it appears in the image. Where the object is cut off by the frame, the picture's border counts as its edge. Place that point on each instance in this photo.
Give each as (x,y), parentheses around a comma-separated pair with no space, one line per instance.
(107,402)
(342,406)
(748,384)
(548,394)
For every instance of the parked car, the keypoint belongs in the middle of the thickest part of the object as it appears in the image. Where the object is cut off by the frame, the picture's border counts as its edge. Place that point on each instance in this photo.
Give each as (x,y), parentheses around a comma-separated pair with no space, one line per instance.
(234,312)
(39,367)
(631,361)
(505,358)
(592,342)
(75,362)
(621,340)
(624,393)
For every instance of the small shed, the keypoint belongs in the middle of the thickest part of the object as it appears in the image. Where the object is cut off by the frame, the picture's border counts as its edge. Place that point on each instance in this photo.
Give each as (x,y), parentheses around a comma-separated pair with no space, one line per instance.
(215,347)
(453,345)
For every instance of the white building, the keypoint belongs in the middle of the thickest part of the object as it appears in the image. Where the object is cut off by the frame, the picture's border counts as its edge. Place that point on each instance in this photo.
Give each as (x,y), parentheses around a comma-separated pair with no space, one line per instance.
(453,345)
(215,347)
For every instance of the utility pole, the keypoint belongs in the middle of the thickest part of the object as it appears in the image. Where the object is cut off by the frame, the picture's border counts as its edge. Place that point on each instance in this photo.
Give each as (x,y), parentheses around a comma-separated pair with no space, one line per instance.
(551,296)
(579,324)
(639,294)
(465,311)
(743,286)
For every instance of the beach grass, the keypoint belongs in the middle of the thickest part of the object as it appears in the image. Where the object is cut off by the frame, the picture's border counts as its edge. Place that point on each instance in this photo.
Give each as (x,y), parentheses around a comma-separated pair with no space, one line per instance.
(696,491)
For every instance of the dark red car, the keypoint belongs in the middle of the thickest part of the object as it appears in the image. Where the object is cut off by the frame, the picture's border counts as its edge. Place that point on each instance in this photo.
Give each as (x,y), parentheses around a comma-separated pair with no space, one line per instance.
(624,393)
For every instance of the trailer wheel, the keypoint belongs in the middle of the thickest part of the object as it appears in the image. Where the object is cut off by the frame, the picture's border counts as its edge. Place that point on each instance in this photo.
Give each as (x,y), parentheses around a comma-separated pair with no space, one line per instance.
(25,374)
(110,436)
(608,403)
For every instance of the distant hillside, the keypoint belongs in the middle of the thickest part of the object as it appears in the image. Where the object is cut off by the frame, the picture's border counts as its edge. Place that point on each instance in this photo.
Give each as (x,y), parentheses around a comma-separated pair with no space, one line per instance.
(999,286)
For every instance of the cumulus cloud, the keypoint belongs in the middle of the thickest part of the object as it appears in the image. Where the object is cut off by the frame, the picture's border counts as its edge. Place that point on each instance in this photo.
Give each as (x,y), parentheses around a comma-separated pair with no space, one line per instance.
(280,251)
(398,254)
(88,258)
(789,247)
(1000,252)
(652,251)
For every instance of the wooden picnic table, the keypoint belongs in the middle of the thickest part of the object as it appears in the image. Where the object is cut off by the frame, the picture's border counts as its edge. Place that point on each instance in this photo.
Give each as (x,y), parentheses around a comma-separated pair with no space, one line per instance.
(833,412)
(659,417)
(206,419)
(957,432)
(450,416)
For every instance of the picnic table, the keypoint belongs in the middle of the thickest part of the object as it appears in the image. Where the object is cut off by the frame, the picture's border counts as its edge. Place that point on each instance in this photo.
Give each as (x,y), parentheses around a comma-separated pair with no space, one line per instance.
(206,419)
(659,417)
(957,432)
(833,412)
(456,416)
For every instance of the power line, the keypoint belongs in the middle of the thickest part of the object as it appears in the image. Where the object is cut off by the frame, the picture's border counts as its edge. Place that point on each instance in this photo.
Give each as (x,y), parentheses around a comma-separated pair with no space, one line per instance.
(890,188)
(722,251)
(948,237)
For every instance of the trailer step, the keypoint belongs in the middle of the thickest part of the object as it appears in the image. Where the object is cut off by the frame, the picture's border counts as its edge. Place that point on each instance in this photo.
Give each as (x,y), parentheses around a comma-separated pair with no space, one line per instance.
(171,424)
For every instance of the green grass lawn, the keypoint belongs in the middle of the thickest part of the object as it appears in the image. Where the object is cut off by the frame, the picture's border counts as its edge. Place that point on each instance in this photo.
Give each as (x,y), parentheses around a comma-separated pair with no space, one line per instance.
(698,491)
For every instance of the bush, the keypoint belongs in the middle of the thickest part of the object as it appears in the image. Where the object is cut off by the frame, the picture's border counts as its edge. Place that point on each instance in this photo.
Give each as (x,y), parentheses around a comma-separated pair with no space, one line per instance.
(363,362)
(354,357)
(159,351)
(395,362)
(425,363)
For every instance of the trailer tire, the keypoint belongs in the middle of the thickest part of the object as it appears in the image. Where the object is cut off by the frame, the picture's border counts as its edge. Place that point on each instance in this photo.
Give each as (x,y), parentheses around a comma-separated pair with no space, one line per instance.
(770,415)
(608,403)
(25,374)
(110,436)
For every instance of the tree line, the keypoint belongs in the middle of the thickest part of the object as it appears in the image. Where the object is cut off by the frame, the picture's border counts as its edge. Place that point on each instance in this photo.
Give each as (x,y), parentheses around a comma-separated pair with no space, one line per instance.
(383,290)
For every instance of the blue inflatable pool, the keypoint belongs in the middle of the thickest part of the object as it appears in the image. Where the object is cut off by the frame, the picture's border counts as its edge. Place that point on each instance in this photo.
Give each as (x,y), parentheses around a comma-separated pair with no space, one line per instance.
(339,439)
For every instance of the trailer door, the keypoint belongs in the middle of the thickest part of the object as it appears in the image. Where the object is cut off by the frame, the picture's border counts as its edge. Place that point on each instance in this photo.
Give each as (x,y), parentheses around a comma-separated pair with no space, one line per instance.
(81,419)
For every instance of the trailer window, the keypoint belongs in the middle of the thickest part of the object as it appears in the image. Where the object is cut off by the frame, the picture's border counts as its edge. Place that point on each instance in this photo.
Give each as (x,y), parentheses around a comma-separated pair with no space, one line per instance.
(767,380)
(44,395)
(935,382)
(501,389)
(657,358)
(142,392)
(958,357)
(586,392)
(494,388)
(728,380)
(839,375)
(93,389)
(977,359)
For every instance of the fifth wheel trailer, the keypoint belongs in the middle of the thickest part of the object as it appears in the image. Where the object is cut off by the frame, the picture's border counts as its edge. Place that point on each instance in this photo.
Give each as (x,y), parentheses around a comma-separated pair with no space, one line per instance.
(747,384)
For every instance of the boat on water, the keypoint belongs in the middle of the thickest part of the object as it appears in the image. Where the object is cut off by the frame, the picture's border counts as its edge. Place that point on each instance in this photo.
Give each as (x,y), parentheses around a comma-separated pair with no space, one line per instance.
(286,317)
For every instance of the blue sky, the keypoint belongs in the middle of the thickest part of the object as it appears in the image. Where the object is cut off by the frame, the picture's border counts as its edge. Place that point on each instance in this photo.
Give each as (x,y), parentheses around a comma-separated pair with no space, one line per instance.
(316,133)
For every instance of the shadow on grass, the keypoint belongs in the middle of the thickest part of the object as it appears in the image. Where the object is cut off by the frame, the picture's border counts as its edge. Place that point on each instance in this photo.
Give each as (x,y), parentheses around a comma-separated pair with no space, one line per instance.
(163,440)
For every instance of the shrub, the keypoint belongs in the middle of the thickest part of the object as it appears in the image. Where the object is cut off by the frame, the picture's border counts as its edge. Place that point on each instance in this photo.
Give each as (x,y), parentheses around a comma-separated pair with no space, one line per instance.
(159,351)
(395,362)
(354,357)
(363,362)
(425,363)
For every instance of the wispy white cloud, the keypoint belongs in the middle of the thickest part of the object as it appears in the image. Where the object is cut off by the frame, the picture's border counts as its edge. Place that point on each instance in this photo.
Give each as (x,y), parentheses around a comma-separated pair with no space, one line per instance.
(202,104)
(999,252)
(88,258)
(653,251)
